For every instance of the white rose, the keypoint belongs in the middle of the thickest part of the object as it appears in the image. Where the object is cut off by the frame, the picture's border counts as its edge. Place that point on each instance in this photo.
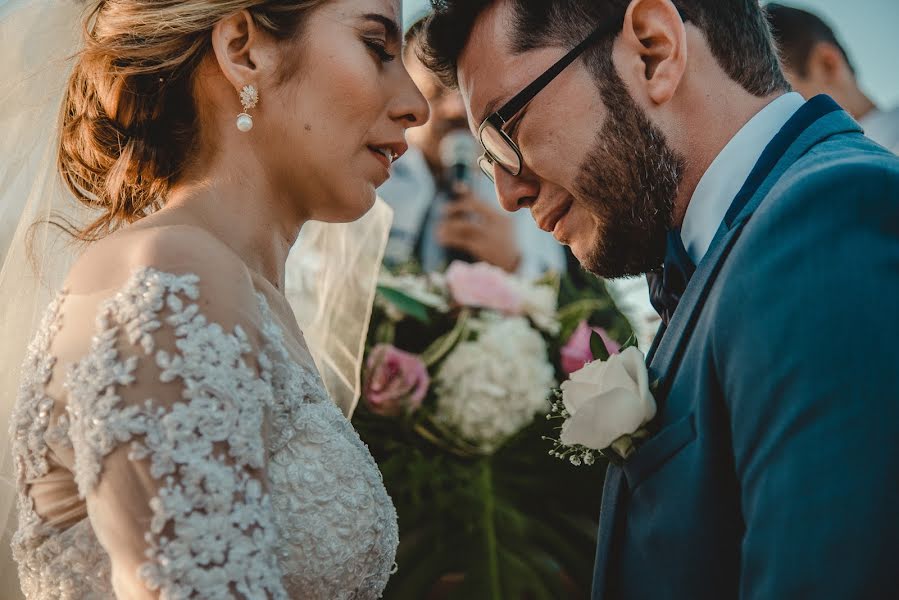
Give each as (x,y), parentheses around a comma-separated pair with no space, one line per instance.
(607,400)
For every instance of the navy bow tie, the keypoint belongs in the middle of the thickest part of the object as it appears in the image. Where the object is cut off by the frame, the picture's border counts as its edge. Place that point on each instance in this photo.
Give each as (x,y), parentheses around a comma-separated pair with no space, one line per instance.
(667,285)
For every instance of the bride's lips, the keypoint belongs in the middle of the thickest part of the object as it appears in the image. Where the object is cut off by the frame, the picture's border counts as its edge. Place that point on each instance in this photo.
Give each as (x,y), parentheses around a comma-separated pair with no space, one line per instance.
(387,153)
(549,220)
(381,157)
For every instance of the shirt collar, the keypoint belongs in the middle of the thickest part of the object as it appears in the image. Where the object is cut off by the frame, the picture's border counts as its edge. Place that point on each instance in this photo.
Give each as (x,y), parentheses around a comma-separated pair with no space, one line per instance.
(724,178)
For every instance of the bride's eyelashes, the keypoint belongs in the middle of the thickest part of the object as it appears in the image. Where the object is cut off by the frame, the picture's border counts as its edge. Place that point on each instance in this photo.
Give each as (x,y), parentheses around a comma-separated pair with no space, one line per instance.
(379,49)
(380,32)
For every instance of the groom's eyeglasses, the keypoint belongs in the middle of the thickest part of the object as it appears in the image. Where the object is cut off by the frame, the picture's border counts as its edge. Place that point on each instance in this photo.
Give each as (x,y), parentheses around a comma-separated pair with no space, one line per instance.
(498,146)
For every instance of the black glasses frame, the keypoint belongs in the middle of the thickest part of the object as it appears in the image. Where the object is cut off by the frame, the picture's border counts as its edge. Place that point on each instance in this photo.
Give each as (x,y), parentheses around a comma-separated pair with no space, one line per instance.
(497,120)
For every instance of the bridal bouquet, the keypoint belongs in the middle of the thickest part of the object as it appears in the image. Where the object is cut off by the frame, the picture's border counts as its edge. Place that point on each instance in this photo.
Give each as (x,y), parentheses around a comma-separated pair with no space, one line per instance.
(459,379)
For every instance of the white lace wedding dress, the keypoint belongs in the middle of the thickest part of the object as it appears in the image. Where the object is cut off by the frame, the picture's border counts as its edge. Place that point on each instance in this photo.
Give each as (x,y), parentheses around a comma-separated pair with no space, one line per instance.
(173,439)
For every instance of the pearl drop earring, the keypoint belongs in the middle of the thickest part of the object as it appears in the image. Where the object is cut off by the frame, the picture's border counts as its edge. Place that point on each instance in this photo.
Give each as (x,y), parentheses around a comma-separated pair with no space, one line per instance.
(249,97)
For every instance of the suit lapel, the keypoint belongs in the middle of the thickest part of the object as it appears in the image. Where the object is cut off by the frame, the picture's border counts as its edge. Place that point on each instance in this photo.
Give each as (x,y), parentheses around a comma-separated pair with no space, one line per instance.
(655,343)
(611,496)
(817,120)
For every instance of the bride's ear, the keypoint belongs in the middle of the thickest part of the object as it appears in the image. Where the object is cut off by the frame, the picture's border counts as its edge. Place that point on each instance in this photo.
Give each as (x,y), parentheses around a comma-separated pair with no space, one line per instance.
(244,53)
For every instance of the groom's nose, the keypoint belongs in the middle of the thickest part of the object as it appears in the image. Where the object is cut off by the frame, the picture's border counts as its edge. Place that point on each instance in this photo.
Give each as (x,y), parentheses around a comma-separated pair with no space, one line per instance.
(514,191)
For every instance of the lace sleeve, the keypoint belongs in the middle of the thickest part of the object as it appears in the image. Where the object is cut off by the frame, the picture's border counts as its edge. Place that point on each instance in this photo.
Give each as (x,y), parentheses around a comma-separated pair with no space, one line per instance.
(167,413)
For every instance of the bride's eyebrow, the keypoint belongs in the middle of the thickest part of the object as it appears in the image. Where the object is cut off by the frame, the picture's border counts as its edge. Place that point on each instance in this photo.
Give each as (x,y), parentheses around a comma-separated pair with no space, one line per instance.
(390,26)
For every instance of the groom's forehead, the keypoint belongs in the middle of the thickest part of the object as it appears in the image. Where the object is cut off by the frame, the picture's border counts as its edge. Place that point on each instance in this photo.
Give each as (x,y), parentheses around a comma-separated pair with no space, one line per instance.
(393,7)
(487,69)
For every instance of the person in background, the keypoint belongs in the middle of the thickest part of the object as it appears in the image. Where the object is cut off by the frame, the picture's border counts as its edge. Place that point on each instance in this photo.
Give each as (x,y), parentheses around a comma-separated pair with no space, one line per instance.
(816,63)
(441,214)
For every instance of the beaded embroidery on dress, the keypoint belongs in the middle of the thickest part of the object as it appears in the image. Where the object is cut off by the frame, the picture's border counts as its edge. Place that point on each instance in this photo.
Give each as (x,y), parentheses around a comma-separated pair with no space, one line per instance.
(253,483)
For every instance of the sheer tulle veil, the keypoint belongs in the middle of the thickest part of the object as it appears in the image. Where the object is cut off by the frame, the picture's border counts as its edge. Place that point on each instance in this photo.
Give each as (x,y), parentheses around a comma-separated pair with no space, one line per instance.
(331,274)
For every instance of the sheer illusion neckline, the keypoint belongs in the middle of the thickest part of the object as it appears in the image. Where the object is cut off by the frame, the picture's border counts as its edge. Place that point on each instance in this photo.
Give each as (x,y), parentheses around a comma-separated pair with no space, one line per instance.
(275,299)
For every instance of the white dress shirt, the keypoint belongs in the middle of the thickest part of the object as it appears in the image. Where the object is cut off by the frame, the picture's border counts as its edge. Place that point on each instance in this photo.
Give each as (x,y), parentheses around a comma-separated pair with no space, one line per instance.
(728,172)
(882,126)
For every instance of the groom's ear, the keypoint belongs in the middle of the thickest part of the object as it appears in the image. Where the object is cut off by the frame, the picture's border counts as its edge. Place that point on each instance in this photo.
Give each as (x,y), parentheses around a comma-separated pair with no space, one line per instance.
(654,39)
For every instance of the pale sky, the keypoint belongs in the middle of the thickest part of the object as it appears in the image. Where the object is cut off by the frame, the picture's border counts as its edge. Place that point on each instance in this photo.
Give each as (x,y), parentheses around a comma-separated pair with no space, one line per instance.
(869,30)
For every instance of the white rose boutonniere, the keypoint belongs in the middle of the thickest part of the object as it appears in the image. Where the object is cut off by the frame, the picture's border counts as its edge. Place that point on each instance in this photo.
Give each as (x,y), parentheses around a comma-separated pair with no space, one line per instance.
(604,406)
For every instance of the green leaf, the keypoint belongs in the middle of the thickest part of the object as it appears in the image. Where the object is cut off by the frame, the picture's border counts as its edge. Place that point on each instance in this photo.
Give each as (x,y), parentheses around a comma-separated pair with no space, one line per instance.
(550,279)
(489,524)
(416,581)
(598,347)
(565,545)
(405,304)
(442,345)
(385,332)
(549,576)
(631,341)
(577,311)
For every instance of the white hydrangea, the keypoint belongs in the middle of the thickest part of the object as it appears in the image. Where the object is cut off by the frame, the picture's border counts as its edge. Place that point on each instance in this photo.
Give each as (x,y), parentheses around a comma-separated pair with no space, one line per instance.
(490,388)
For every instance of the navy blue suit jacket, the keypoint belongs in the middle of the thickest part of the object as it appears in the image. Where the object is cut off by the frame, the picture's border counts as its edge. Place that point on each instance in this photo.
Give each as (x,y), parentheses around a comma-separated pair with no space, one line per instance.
(773,471)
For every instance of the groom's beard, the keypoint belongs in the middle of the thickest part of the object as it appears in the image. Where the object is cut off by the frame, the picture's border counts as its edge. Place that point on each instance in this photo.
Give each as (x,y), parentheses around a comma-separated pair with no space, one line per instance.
(629,181)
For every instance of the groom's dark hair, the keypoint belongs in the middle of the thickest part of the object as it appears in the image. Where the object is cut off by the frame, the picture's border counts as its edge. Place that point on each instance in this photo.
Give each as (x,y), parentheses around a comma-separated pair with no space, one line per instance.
(736,30)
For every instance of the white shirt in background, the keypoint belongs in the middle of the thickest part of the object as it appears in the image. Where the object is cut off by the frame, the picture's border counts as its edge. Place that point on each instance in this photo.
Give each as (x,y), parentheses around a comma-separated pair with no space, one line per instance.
(417,205)
(631,297)
(883,127)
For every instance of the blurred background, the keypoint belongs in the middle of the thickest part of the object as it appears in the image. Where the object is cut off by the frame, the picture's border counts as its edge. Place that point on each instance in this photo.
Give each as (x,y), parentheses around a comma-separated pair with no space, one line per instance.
(868,31)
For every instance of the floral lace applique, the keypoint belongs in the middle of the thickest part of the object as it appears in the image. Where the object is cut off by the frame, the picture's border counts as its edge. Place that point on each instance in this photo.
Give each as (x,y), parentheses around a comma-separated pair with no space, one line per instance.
(31,415)
(201,449)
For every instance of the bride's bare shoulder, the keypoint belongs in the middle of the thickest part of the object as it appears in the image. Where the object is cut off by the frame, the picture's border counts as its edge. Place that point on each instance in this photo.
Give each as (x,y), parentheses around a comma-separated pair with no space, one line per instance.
(177,249)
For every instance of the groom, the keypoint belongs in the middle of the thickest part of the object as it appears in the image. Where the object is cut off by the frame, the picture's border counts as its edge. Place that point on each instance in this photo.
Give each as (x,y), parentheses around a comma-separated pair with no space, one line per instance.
(660,136)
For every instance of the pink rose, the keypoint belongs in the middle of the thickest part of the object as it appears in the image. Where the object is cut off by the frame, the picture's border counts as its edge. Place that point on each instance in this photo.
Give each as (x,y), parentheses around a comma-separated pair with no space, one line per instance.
(576,353)
(483,285)
(396,381)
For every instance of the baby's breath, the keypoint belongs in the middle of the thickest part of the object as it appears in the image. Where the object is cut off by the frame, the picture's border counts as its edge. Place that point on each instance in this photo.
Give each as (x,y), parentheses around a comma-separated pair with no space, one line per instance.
(576,455)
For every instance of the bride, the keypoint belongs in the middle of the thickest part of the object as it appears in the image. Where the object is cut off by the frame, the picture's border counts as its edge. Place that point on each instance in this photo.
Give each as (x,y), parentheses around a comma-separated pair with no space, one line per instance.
(171,435)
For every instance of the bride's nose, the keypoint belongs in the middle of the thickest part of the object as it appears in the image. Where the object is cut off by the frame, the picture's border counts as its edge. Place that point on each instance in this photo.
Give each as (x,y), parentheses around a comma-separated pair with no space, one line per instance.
(408,104)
